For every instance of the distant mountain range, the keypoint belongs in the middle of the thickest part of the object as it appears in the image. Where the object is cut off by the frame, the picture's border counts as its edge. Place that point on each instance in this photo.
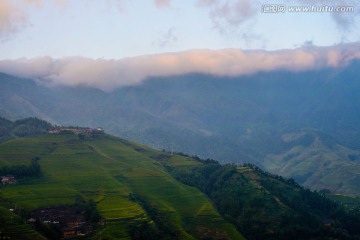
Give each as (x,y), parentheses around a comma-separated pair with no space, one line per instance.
(299,124)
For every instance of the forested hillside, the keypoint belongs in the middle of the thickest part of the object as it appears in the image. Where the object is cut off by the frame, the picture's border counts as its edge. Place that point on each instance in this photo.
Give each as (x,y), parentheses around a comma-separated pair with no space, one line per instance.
(266,206)
(21,128)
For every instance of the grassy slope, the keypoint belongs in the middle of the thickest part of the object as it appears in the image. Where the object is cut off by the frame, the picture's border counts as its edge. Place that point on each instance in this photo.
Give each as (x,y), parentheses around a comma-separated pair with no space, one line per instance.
(318,165)
(107,170)
(12,227)
(348,201)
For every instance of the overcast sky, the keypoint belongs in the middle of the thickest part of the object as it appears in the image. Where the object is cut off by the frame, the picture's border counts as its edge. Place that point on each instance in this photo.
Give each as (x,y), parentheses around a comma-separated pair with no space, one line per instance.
(58,40)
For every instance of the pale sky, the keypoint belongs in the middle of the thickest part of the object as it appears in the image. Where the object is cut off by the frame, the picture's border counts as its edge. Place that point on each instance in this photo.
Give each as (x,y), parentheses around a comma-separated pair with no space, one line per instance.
(114,29)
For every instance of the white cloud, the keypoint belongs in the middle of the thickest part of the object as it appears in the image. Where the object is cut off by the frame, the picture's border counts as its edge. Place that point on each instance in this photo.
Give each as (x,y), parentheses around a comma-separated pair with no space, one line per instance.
(162,3)
(14,15)
(110,74)
(230,13)
(166,38)
(343,20)
(12,18)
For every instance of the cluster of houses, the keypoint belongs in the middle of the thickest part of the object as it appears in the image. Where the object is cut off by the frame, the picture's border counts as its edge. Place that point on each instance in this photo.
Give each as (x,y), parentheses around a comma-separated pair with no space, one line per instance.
(70,221)
(8,179)
(75,130)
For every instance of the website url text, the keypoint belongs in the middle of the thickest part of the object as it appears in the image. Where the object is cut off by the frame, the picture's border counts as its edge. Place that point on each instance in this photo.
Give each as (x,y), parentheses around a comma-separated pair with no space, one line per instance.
(282,8)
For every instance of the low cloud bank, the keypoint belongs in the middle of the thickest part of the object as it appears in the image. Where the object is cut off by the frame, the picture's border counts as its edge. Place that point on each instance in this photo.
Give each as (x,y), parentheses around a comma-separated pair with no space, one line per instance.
(108,74)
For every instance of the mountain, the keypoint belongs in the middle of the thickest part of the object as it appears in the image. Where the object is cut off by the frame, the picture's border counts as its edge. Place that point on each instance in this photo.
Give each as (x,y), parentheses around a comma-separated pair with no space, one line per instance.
(238,119)
(142,193)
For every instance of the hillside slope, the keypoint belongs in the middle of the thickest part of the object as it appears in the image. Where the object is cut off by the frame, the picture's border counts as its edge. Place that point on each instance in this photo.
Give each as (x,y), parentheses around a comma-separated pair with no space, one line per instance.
(129,188)
(267,206)
(318,162)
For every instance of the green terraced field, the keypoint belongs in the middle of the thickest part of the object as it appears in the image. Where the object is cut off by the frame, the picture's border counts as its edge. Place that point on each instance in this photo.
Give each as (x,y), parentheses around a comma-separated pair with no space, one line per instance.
(12,227)
(108,170)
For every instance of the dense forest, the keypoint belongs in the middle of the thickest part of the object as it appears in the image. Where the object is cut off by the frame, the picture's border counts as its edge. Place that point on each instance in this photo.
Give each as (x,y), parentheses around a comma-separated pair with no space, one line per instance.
(267,206)
(22,128)
(23,171)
